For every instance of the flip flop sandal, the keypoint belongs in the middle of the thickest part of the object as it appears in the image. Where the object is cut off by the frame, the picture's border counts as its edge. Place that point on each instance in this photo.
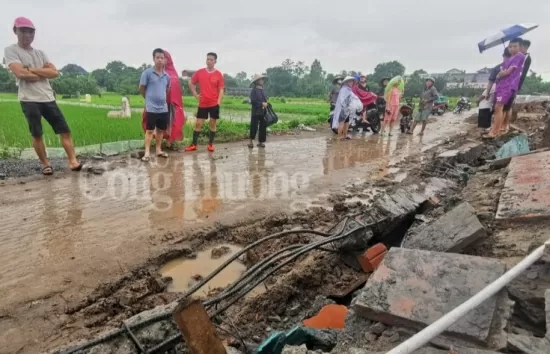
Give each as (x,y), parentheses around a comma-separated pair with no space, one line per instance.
(77,168)
(261,145)
(250,146)
(47,171)
(163,155)
(145,158)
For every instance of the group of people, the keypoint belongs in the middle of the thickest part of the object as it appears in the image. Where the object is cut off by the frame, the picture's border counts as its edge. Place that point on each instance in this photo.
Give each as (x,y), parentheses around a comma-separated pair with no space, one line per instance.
(505,81)
(351,97)
(163,115)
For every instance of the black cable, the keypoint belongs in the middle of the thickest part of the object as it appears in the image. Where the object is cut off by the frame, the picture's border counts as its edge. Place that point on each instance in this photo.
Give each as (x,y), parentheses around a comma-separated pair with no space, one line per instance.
(170,342)
(165,315)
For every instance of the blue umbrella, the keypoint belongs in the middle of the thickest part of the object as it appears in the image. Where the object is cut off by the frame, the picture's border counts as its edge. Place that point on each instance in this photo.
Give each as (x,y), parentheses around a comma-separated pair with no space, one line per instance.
(505,35)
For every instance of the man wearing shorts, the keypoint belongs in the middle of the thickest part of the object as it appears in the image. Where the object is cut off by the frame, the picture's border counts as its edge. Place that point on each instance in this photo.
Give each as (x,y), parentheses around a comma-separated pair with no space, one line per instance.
(33,70)
(427,99)
(211,84)
(154,86)
(507,85)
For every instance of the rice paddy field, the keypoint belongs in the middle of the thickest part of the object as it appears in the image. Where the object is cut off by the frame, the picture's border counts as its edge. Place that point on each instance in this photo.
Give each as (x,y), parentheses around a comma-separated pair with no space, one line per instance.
(90,124)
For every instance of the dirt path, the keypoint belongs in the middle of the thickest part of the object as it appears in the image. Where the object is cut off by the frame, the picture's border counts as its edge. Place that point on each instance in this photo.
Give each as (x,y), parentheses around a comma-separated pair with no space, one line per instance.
(63,237)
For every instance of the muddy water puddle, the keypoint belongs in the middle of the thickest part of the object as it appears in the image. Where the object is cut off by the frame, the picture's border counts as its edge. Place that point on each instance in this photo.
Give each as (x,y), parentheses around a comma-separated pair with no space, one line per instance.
(185,272)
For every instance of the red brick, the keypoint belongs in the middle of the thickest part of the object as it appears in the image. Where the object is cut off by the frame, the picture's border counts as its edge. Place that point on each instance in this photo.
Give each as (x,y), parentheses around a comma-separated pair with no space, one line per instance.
(370,260)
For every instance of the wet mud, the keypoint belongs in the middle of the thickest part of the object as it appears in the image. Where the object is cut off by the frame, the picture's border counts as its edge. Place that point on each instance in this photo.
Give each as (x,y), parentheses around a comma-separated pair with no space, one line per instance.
(87,260)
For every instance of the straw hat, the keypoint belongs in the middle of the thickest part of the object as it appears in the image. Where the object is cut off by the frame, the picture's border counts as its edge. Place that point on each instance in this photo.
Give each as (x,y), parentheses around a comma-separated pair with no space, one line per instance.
(257,77)
(349,78)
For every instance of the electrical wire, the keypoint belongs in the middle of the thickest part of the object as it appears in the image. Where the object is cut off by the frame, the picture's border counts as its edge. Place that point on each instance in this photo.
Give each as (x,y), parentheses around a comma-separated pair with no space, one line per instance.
(176,338)
(162,316)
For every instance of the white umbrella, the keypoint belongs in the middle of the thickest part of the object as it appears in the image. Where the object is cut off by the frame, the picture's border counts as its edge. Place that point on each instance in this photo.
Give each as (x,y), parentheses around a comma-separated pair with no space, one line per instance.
(505,35)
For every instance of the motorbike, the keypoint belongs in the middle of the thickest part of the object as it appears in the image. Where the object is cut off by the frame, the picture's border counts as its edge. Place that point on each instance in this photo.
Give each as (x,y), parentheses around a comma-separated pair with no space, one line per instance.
(373,121)
(439,108)
(406,112)
(463,104)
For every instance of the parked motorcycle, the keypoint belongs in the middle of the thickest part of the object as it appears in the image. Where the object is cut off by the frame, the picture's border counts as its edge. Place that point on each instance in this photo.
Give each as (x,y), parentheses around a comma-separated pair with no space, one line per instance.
(406,112)
(462,105)
(439,108)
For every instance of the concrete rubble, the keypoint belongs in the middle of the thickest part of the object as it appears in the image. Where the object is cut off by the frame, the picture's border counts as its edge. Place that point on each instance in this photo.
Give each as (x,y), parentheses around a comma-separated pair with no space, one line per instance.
(530,344)
(452,232)
(390,210)
(414,288)
(526,194)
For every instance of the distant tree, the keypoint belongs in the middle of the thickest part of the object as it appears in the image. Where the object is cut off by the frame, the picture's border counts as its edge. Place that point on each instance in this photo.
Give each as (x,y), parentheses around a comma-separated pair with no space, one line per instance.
(73,69)
(7,80)
(389,69)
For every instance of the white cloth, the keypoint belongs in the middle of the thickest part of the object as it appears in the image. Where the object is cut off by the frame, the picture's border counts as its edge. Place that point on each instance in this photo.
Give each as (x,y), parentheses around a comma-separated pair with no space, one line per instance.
(489,99)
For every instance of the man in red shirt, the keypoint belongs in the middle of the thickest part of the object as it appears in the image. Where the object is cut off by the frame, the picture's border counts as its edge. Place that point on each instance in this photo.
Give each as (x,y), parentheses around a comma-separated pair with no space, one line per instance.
(211,86)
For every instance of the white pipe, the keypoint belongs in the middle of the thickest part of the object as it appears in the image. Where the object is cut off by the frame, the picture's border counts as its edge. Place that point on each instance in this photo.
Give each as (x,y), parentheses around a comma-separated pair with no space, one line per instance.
(427,334)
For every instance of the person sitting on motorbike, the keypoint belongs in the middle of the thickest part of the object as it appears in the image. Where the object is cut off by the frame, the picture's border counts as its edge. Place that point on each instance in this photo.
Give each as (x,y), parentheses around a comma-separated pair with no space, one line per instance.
(368,99)
(333,94)
(427,99)
(346,105)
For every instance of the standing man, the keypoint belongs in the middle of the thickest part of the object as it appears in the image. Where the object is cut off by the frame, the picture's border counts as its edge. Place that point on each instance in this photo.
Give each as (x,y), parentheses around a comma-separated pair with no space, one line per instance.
(524,48)
(33,70)
(507,86)
(427,99)
(154,86)
(211,84)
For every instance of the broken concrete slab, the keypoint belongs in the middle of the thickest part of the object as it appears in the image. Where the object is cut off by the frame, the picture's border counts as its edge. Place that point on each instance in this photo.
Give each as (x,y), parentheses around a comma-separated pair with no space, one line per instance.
(459,350)
(452,232)
(526,194)
(389,210)
(414,288)
(465,154)
(528,344)
(528,291)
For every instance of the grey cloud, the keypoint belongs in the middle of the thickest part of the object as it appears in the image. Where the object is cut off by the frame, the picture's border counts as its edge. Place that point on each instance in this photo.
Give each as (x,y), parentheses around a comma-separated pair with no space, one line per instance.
(249,35)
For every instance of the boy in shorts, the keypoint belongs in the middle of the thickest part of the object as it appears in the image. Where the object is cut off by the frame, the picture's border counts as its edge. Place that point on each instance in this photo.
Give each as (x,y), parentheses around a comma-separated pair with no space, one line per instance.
(211,83)
(154,86)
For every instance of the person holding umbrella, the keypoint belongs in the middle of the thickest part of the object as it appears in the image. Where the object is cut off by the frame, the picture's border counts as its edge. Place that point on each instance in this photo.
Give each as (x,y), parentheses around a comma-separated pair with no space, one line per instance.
(258,99)
(508,80)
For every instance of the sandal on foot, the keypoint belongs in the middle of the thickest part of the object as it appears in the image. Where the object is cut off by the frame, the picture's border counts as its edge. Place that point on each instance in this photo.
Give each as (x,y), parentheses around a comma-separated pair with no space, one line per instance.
(163,155)
(250,146)
(47,171)
(145,158)
(261,145)
(77,168)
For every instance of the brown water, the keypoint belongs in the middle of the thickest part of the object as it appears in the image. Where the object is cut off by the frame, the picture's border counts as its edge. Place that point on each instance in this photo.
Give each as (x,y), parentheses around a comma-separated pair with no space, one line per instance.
(184,271)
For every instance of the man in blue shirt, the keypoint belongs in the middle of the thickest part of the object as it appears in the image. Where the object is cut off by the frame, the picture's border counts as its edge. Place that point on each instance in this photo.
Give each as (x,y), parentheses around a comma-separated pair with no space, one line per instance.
(154,86)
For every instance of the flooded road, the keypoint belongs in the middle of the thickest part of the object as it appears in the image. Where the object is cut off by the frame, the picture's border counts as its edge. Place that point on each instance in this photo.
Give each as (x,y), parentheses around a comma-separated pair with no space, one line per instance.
(60,238)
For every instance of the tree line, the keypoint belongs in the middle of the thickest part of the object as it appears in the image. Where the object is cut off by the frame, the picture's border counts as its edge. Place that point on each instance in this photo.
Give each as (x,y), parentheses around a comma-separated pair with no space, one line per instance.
(289,79)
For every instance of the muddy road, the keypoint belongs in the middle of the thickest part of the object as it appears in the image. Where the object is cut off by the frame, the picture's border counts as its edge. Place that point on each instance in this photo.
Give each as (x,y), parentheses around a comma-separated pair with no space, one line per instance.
(63,236)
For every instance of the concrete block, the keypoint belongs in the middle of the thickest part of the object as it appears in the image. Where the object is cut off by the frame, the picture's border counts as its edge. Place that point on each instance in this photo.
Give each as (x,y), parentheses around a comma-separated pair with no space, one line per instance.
(414,288)
(526,193)
(528,345)
(452,232)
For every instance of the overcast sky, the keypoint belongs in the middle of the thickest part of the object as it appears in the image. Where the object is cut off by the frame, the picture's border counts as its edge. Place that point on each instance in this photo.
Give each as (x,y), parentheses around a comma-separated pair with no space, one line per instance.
(251,35)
